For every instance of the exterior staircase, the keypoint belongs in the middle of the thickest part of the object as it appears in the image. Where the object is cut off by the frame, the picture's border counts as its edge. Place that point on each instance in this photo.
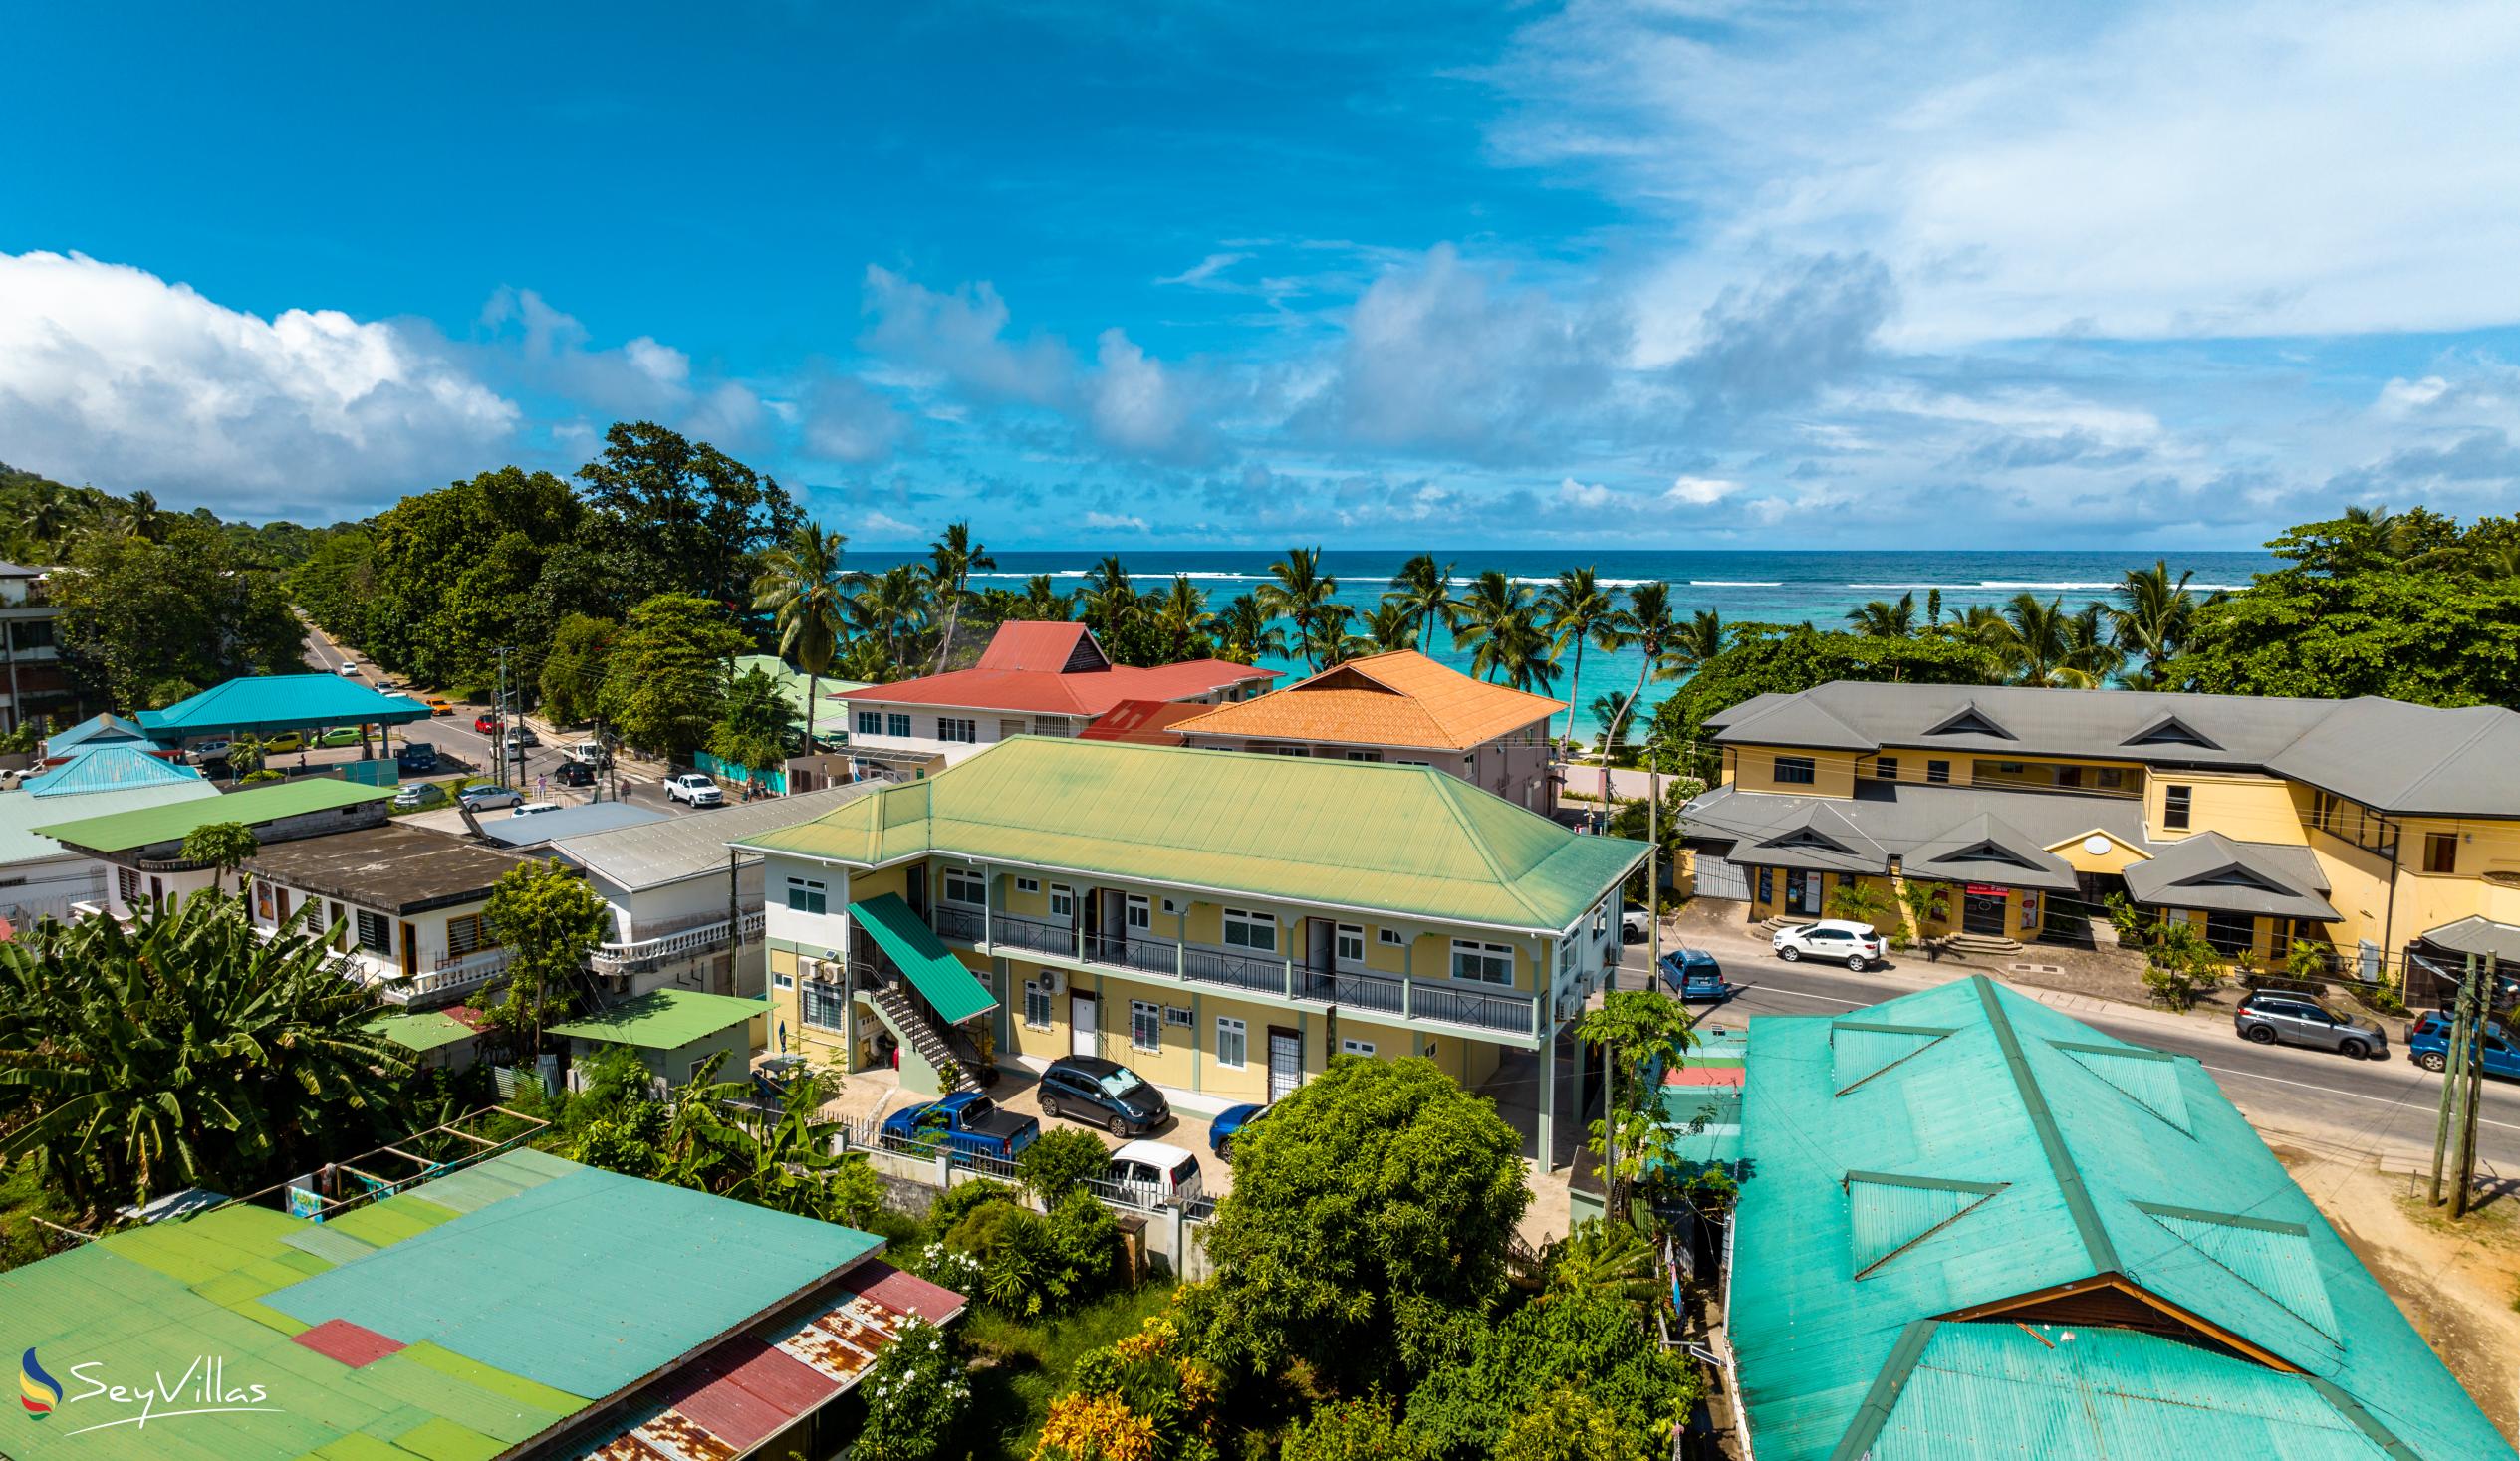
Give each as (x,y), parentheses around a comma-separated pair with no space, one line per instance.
(1981,945)
(1780,922)
(921,1035)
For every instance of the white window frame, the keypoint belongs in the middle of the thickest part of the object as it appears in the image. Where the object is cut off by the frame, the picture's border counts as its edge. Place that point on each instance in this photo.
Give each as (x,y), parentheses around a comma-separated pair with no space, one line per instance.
(1035,992)
(1234,1034)
(1349,1046)
(974,887)
(1171,908)
(960,730)
(1248,923)
(782,981)
(808,888)
(1390,938)
(1481,957)
(1146,1027)
(1028,884)
(1137,913)
(1339,945)
(1063,901)
(1365,755)
(1177,1017)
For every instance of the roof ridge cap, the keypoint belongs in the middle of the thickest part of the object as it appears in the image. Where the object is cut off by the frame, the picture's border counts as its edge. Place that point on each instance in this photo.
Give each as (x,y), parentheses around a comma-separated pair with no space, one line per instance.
(2061,1165)
(1449,787)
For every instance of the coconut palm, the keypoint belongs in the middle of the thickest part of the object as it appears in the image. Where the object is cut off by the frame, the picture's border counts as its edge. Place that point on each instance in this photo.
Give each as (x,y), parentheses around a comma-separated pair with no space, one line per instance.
(1185,618)
(143,518)
(892,605)
(1578,611)
(1042,600)
(955,557)
(1886,621)
(1389,628)
(1109,600)
(1300,593)
(2152,620)
(2089,657)
(1424,587)
(806,594)
(1693,643)
(1608,722)
(1520,652)
(1483,611)
(2035,643)
(1244,631)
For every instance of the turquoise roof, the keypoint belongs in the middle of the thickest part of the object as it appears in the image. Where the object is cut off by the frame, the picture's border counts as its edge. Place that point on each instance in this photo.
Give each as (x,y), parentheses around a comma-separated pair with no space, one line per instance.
(271,703)
(1966,1147)
(107,766)
(99,728)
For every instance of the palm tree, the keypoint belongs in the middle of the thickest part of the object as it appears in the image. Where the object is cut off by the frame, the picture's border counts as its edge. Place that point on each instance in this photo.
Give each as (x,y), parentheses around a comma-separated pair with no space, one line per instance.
(1578,611)
(142,519)
(955,557)
(2151,620)
(1693,643)
(1300,594)
(1520,650)
(1424,587)
(1666,649)
(225,846)
(184,1050)
(892,605)
(1390,628)
(1483,611)
(1244,631)
(801,588)
(1884,621)
(1042,599)
(2089,658)
(1109,600)
(49,512)
(1184,616)
(2034,641)
(1607,720)
(1933,607)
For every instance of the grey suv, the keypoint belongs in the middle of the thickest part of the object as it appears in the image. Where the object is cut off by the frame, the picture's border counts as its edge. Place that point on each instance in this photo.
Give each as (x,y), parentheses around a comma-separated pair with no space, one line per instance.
(2272,1016)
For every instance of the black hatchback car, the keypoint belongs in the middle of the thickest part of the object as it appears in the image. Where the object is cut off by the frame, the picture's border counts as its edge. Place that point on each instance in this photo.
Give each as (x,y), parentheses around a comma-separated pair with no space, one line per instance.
(1102,1094)
(574,774)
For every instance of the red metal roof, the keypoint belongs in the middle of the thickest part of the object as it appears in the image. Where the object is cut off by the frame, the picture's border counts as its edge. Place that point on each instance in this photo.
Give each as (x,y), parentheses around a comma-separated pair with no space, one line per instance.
(1041,644)
(909,1292)
(746,1392)
(1145,722)
(1047,693)
(352,1344)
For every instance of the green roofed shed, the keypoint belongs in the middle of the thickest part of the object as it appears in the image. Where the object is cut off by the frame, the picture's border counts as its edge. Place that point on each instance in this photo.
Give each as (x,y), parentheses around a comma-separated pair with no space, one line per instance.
(422,1029)
(945,980)
(675,1031)
(1384,838)
(121,832)
(270,703)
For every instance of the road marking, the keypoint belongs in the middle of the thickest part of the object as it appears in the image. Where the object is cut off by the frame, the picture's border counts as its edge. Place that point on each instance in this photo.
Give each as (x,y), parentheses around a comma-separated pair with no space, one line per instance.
(1799,994)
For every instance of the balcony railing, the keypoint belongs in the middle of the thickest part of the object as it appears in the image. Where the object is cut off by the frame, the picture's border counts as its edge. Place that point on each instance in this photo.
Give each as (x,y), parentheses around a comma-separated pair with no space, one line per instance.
(1243,970)
(654,953)
(453,976)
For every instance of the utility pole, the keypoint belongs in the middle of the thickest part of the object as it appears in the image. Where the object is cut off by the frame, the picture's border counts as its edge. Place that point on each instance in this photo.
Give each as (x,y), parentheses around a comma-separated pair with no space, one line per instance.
(2448,1116)
(2472,1095)
(499,720)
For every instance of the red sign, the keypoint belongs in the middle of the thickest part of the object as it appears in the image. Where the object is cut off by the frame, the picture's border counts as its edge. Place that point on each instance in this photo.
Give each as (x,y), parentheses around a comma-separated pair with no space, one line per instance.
(1987,890)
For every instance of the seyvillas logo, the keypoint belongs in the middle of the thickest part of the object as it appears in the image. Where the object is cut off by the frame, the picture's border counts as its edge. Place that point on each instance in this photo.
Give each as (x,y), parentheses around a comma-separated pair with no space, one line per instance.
(202,1388)
(39,1392)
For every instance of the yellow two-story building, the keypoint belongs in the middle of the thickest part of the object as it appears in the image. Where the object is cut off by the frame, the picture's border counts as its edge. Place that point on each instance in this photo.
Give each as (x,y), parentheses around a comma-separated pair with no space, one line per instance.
(2387,831)
(1222,922)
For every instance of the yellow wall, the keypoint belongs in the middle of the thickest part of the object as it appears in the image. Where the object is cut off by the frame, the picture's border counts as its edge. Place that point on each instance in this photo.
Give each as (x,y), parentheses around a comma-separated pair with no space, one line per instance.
(2244,807)
(1832,771)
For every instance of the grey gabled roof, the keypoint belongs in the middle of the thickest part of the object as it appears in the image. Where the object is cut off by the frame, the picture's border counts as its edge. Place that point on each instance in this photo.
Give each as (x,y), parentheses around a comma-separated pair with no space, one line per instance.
(687,845)
(1819,838)
(1986,849)
(2214,873)
(2478,936)
(2412,760)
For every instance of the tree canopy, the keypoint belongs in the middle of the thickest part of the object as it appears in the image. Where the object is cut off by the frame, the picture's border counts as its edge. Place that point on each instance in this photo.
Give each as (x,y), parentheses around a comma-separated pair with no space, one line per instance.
(1765,660)
(695,511)
(146,622)
(548,920)
(665,678)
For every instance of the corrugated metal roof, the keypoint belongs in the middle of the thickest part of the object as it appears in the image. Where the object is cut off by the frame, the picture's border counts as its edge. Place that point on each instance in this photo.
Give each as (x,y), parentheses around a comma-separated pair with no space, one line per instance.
(946,981)
(1402,698)
(583,820)
(170,822)
(280,702)
(108,727)
(2480,936)
(667,1019)
(690,845)
(1399,838)
(20,814)
(107,768)
(2071,1123)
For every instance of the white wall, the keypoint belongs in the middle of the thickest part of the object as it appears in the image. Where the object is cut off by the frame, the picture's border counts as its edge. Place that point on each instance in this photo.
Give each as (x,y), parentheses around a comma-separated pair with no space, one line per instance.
(991,726)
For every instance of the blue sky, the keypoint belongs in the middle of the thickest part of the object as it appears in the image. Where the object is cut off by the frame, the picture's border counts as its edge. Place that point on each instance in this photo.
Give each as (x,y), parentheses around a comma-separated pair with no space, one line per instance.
(1654,274)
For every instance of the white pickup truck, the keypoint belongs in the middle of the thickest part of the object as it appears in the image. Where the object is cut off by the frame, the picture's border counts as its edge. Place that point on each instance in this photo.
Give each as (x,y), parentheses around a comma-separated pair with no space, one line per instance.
(694,788)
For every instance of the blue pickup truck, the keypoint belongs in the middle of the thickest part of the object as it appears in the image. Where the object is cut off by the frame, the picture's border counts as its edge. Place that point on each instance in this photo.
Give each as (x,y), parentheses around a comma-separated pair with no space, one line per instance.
(967,1124)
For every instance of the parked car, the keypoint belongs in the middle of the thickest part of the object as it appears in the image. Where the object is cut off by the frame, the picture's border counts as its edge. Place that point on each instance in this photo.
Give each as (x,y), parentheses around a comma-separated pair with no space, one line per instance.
(209,751)
(2428,1044)
(419,794)
(440,705)
(483,796)
(1694,974)
(283,745)
(2271,1016)
(574,774)
(1102,1094)
(1839,941)
(694,788)
(1636,925)
(486,725)
(1155,1173)
(967,1123)
(339,735)
(590,753)
(1229,1123)
(416,756)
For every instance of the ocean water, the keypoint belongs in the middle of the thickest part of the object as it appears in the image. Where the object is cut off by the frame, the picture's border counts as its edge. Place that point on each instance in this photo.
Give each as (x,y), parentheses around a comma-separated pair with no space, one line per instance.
(1742,586)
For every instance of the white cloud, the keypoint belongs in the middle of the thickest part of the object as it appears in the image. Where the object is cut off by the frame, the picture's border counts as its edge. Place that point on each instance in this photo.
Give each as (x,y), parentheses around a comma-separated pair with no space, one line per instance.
(1202,273)
(1103,522)
(113,375)
(1138,406)
(1686,491)
(960,337)
(549,349)
(882,527)
(1578,494)
(847,421)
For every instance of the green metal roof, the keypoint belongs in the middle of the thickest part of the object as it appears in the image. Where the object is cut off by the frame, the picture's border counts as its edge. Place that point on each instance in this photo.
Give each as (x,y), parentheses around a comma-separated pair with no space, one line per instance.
(123,830)
(1967,1146)
(1405,839)
(422,1029)
(796,689)
(667,1019)
(21,843)
(945,980)
(280,702)
(500,1292)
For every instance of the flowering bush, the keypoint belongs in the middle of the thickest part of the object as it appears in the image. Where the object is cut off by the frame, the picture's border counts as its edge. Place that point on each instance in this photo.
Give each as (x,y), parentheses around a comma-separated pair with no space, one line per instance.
(1147,1397)
(917,1397)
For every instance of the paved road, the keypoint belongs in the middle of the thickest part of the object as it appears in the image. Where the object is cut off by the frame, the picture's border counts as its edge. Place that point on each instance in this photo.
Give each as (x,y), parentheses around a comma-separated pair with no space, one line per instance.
(2384,1106)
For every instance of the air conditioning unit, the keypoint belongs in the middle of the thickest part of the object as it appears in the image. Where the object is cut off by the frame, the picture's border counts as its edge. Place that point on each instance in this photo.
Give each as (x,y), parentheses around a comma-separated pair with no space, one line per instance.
(1049,981)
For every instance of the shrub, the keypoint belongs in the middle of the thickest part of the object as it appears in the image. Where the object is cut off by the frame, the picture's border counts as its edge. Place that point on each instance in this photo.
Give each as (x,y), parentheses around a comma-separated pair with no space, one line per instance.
(962,1199)
(1061,1159)
(917,1397)
(1354,1430)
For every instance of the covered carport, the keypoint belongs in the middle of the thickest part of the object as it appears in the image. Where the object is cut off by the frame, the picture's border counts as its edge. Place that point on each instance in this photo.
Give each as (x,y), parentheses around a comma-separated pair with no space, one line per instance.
(274,704)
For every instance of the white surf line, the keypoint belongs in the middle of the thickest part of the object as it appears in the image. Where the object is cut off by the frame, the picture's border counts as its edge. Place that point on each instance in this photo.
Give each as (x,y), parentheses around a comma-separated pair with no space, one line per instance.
(2218,1069)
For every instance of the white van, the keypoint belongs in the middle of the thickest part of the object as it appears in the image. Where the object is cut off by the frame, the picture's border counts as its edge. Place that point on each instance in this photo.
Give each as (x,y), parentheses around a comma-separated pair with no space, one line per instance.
(1155,1173)
(590,753)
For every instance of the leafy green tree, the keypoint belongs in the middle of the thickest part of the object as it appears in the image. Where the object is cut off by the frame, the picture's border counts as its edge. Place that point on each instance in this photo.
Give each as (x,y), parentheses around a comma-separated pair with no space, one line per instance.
(894,606)
(2152,620)
(917,1397)
(225,846)
(146,622)
(1060,1161)
(1031,1264)
(1925,902)
(806,594)
(1354,1430)
(665,679)
(548,920)
(1859,902)
(1486,615)
(1641,1033)
(1606,1258)
(452,570)
(186,1050)
(782,1159)
(1147,1398)
(697,511)
(1583,1340)
(1041,601)
(753,725)
(1371,1208)
(1882,619)
(335,584)
(1183,619)
(573,672)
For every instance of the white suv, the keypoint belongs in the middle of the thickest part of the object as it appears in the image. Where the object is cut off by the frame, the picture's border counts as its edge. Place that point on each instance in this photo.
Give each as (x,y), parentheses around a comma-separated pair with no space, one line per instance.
(694,788)
(1854,944)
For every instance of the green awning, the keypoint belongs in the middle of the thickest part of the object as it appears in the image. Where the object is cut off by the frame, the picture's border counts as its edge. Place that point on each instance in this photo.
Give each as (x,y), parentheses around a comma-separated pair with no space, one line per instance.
(945,979)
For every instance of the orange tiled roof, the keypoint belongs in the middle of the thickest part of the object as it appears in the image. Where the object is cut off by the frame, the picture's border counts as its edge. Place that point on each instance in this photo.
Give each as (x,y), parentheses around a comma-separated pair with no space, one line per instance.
(1401,698)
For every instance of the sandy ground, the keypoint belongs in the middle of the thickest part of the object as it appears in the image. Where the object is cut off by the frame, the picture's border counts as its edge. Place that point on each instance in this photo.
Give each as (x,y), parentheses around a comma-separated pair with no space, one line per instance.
(2457,1282)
